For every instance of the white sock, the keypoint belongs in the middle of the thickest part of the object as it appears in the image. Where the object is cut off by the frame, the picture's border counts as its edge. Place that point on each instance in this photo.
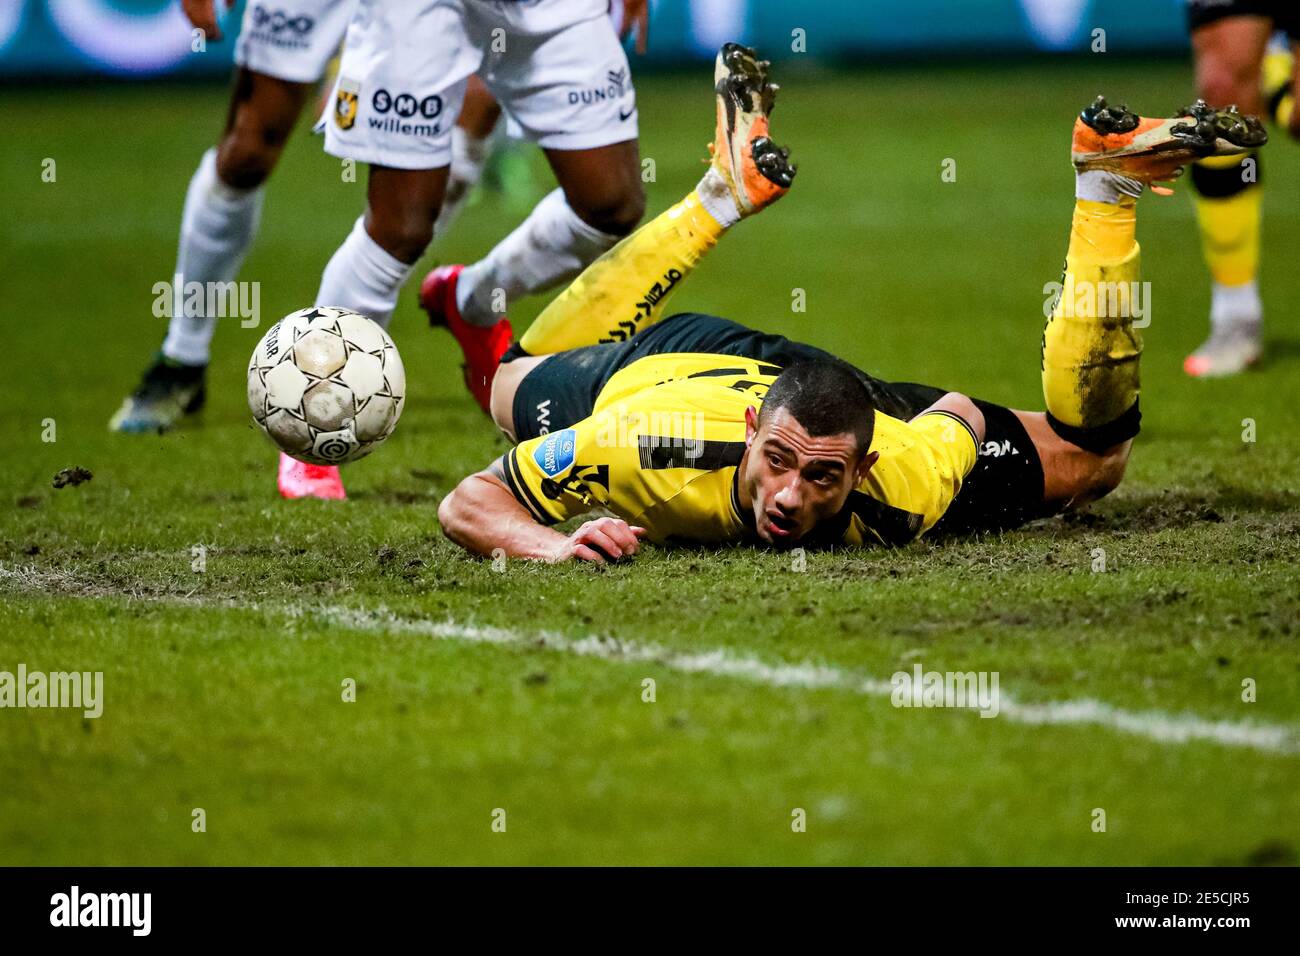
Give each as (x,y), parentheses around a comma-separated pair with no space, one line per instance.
(1236,305)
(1102,185)
(551,246)
(363,276)
(717,200)
(218,224)
(469,155)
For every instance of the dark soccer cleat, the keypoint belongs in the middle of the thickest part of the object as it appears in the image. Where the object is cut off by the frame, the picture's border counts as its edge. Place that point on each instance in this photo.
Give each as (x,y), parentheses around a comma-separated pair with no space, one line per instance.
(167,392)
(757,171)
(1150,150)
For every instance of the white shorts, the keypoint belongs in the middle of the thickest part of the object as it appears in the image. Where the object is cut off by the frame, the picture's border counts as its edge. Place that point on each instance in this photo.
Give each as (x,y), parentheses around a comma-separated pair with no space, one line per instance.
(555,66)
(292,40)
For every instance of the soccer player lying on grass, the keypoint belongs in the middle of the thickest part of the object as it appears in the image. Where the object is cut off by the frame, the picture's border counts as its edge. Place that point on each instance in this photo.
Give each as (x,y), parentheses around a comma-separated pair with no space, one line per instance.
(696,429)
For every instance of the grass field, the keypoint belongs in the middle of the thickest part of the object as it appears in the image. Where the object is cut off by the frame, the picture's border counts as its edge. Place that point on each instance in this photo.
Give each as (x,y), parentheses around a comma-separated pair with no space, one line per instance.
(522,689)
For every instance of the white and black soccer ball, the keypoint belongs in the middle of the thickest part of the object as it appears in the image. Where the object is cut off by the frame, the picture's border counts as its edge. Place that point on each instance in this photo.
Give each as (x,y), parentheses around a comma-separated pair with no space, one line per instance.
(326,385)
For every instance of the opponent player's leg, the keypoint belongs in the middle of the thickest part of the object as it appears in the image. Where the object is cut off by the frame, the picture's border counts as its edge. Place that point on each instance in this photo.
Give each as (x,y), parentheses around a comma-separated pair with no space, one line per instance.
(1229,49)
(222,204)
(218,223)
(564,81)
(600,199)
(1090,348)
(366,274)
(401,84)
(471,145)
(394,105)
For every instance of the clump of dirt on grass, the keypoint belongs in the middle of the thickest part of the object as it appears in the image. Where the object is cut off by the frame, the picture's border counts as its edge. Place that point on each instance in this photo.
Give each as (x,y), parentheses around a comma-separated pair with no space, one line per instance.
(76,475)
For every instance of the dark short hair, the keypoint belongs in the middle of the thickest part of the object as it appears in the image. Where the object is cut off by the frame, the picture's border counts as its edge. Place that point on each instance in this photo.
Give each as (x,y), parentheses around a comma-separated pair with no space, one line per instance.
(826,398)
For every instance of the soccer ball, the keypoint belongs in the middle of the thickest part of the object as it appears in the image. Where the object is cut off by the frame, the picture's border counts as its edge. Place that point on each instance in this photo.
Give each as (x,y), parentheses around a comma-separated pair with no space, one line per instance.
(326,385)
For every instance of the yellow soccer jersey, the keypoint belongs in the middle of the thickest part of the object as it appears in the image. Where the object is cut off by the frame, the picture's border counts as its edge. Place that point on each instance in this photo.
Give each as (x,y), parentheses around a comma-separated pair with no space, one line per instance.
(667,432)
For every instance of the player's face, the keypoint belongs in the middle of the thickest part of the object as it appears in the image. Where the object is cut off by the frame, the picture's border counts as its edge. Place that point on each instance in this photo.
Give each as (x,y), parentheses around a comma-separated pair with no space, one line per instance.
(795,480)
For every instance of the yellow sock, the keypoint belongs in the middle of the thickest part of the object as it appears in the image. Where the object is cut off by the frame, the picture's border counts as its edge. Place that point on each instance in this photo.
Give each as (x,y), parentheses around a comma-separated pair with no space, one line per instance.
(1230,229)
(623,291)
(1090,348)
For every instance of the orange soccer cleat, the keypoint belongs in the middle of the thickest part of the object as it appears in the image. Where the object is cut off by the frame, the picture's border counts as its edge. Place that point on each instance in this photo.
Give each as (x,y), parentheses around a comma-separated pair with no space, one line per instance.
(756,170)
(1152,150)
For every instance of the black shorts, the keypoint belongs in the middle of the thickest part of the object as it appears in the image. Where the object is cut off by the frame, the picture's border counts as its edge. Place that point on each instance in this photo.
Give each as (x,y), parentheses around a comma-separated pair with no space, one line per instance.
(1004,490)
(1285,14)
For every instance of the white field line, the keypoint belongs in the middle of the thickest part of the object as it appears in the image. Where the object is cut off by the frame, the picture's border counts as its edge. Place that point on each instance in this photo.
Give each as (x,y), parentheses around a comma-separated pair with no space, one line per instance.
(1154,725)
(1161,727)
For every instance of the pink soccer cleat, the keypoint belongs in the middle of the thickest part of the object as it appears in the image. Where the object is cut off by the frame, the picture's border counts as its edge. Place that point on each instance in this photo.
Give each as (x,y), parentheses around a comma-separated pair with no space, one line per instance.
(481,345)
(300,480)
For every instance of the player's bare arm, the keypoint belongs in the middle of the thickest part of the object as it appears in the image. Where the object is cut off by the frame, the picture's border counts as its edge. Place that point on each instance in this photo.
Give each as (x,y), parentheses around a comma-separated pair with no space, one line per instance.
(483,517)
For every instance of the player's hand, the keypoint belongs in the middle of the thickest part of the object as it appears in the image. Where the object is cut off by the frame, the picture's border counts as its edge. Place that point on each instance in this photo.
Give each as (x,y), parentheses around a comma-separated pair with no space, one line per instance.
(601,540)
(636,16)
(203,14)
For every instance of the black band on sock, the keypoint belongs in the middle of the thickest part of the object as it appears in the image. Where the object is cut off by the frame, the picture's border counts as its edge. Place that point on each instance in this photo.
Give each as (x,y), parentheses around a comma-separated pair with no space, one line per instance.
(1098,440)
(1275,102)
(1221,183)
(514,352)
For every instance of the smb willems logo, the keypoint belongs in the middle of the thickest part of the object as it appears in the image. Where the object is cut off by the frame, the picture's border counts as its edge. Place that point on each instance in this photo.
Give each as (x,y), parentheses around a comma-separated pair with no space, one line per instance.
(80,690)
(74,908)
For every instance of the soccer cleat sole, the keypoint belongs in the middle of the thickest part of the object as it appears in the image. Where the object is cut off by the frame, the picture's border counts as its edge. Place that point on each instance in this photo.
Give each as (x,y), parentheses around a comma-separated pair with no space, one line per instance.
(741,82)
(742,76)
(1109,120)
(1200,132)
(773,162)
(1213,127)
